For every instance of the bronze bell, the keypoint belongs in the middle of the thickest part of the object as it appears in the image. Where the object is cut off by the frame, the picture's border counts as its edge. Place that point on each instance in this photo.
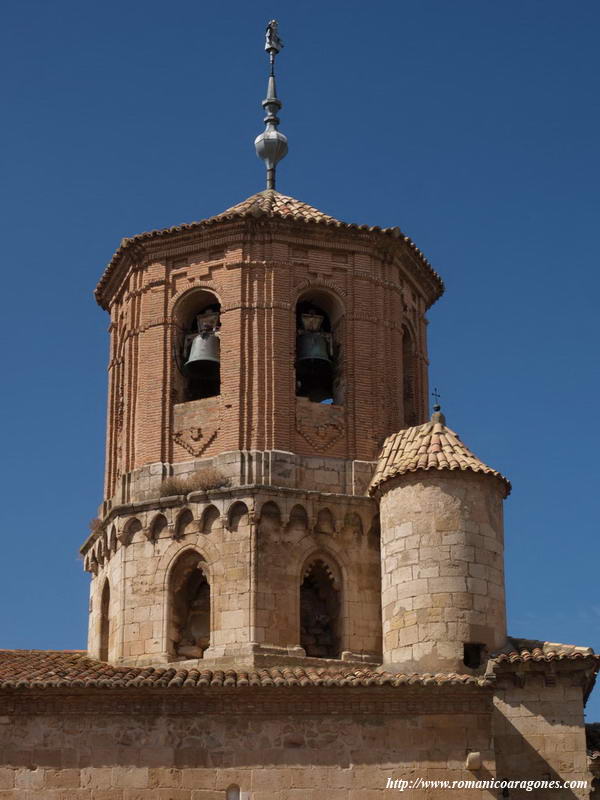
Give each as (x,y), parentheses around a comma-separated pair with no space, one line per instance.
(314,367)
(313,346)
(204,355)
(313,343)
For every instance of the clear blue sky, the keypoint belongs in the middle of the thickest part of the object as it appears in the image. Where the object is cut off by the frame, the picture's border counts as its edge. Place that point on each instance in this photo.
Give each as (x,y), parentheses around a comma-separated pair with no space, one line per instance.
(473,125)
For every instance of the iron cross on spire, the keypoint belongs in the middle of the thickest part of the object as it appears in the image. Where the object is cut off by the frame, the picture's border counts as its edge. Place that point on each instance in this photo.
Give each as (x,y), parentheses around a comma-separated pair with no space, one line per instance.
(271,145)
(273,43)
(436,399)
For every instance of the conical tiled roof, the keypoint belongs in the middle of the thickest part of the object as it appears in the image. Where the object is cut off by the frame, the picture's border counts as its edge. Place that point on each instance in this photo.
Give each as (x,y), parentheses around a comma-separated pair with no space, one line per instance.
(426,447)
(274,203)
(270,203)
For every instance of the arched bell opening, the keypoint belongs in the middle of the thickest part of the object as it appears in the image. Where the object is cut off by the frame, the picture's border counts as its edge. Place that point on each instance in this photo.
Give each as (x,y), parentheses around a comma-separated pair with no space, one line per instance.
(189,618)
(105,621)
(198,346)
(320,611)
(318,348)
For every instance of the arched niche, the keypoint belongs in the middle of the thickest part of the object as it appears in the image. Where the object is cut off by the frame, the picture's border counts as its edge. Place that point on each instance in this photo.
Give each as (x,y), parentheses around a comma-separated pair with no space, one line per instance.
(105,621)
(132,526)
(321,608)
(325,521)
(353,524)
(298,520)
(157,527)
(237,516)
(184,523)
(319,362)
(196,347)
(189,618)
(374,533)
(211,519)
(409,378)
(270,518)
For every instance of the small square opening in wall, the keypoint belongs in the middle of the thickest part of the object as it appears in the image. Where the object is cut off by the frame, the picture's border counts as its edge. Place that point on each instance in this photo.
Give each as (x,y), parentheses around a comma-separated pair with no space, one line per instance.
(234,793)
(473,654)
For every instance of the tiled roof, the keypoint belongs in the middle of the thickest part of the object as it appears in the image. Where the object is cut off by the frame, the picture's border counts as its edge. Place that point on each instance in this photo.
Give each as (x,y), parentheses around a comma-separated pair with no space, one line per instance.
(431,446)
(41,669)
(274,204)
(519,651)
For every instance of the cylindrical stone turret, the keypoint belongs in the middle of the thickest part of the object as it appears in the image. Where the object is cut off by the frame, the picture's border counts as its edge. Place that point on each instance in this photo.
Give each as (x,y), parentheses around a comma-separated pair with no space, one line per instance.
(442,552)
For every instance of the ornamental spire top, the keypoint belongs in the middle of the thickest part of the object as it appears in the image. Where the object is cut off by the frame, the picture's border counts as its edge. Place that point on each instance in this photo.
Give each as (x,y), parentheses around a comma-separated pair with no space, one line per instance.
(271,145)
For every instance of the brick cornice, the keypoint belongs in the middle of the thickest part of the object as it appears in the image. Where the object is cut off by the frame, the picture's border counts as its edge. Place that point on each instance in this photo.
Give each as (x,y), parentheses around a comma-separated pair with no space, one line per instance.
(169,243)
(281,700)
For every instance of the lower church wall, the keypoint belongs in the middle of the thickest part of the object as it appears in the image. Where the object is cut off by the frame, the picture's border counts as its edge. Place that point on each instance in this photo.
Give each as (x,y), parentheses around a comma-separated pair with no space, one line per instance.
(539,732)
(274,744)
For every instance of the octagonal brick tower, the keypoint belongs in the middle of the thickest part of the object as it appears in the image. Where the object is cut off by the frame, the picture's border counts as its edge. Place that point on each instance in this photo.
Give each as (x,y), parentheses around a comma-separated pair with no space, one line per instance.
(258,360)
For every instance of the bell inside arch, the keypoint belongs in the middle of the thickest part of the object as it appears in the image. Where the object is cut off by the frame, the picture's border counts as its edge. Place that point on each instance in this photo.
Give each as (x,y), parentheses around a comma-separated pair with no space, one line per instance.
(202,365)
(204,354)
(314,364)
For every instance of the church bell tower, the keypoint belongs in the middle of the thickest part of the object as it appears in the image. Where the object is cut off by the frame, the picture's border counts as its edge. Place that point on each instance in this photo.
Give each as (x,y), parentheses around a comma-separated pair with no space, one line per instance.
(258,361)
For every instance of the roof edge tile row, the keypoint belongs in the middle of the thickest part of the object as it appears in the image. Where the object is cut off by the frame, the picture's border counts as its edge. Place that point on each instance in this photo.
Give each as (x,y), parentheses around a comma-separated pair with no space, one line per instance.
(268,203)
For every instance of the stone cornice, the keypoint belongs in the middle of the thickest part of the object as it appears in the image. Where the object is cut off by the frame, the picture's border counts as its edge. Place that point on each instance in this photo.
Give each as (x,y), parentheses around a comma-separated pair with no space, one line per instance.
(231,493)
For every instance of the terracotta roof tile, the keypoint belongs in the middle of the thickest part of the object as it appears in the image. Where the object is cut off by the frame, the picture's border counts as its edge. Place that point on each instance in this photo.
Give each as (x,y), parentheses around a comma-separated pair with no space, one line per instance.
(274,204)
(41,669)
(520,651)
(431,446)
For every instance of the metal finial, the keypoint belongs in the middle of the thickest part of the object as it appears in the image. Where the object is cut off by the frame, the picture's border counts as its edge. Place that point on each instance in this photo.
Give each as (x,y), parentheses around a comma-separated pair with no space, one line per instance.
(271,145)
(437,415)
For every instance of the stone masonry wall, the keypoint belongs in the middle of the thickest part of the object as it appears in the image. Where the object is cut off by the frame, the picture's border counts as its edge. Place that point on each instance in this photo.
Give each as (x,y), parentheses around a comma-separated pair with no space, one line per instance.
(250,467)
(539,730)
(294,745)
(442,547)
(256,547)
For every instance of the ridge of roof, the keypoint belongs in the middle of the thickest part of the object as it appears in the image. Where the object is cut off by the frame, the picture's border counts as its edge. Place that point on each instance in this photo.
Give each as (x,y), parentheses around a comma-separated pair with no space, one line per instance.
(266,203)
(430,446)
(37,669)
(270,201)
